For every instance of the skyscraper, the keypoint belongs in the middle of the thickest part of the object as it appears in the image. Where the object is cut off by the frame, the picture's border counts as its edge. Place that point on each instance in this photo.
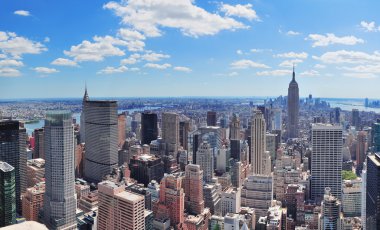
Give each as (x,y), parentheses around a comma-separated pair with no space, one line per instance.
(83,117)
(39,151)
(293,108)
(59,199)
(258,128)
(193,188)
(101,139)
(149,129)
(361,151)
(13,151)
(373,191)
(205,159)
(170,132)
(184,129)
(7,194)
(330,211)
(376,136)
(119,209)
(211,118)
(326,160)
(355,115)
(235,128)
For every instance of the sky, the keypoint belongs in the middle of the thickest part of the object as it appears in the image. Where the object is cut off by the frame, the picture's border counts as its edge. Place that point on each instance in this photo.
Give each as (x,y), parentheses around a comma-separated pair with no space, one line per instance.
(159,48)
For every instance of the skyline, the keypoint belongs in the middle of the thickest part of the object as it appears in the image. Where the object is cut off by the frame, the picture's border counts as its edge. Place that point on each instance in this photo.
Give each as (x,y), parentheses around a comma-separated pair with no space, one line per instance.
(242,46)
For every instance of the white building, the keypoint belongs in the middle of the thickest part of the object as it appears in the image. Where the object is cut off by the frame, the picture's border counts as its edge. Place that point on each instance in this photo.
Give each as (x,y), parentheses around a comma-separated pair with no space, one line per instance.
(231,221)
(258,129)
(230,201)
(205,159)
(352,197)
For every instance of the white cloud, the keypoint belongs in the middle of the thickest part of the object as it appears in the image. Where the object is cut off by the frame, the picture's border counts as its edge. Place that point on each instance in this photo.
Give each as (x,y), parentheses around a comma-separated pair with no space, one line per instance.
(369,26)
(256,50)
(9,62)
(292,33)
(362,68)
(242,11)
(16,46)
(239,52)
(301,55)
(3,56)
(153,57)
(361,75)
(182,69)
(9,72)
(130,35)
(64,62)
(330,39)
(112,70)
(148,15)
(310,73)
(278,72)
(353,57)
(45,70)
(245,64)
(319,66)
(96,51)
(46,39)
(290,63)
(22,13)
(157,66)
(133,59)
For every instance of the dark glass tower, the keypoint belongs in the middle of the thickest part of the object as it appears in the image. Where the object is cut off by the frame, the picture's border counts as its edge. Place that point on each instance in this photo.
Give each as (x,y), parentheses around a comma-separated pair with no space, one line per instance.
(7,194)
(373,191)
(293,108)
(149,129)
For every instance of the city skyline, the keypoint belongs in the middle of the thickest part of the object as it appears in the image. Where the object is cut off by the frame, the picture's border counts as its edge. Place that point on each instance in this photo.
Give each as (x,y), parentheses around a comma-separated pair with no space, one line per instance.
(52,47)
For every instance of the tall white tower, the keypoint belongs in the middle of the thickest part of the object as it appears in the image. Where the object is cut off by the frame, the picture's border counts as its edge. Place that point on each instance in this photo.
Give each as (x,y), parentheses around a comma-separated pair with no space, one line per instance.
(59,200)
(258,129)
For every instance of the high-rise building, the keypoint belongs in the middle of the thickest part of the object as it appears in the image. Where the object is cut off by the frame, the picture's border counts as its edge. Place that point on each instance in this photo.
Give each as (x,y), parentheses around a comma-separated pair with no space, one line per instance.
(13,151)
(7,194)
(373,191)
(352,197)
(35,171)
(193,188)
(277,119)
(83,116)
(205,159)
(119,209)
(145,168)
(293,108)
(355,119)
(211,118)
(59,200)
(170,132)
(184,129)
(39,151)
(101,139)
(361,151)
(230,201)
(235,128)
(326,160)
(258,128)
(171,204)
(149,128)
(33,201)
(121,126)
(330,215)
(376,136)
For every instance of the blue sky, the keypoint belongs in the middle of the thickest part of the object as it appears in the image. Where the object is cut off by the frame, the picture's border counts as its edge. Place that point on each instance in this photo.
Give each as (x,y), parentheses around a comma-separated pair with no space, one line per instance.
(144,48)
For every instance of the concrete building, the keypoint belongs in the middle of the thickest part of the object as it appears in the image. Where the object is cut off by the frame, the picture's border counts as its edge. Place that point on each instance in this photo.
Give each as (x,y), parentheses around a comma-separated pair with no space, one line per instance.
(235,128)
(7,194)
(59,200)
(230,201)
(355,119)
(211,118)
(258,148)
(119,209)
(193,188)
(33,201)
(39,150)
(292,126)
(257,193)
(361,151)
(352,197)
(145,168)
(211,196)
(330,216)
(170,132)
(184,129)
(205,159)
(326,160)
(36,171)
(121,129)
(101,139)
(221,160)
(13,151)
(231,221)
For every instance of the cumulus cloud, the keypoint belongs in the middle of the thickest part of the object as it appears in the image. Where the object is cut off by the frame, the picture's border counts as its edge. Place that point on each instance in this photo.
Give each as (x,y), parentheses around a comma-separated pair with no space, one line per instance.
(24,13)
(245,64)
(319,66)
(9,72)
(310,73)
(292,33)
(302,55)
(182,69)
(278,72)
(16,46)
(290,63)
(132,59)
(242,11)
(64,62)
(130,35)
(352,57)
(112,70)
(362,68)
(149,15)
(45,70)
(157,66)
(9,62)
(369,26)
(361,75)
(153,57)
(331,39)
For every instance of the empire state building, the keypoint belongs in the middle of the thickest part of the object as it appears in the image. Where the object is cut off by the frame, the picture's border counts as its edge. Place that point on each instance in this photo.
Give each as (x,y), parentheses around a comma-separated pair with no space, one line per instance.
(293,108)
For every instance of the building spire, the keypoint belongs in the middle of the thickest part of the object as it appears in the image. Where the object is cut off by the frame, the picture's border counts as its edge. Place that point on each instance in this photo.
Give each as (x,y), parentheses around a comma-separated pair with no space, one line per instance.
(294,74)
(85,96)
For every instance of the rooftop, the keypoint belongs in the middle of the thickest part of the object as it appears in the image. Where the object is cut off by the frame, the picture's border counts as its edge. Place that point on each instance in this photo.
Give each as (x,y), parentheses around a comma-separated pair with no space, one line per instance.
(5,167)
